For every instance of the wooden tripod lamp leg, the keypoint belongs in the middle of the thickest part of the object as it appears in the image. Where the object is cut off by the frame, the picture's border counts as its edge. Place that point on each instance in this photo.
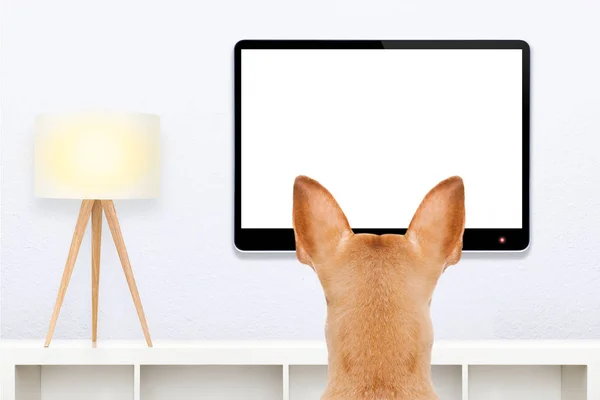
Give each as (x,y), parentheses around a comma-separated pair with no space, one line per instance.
(113,223)
(96,244)
(82,221)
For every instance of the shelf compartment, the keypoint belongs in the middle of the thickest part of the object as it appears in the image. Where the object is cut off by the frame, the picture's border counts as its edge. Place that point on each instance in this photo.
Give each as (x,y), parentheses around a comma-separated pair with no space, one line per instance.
(74,382)
(309,381)
(522,382)
(447,380)
(248,382)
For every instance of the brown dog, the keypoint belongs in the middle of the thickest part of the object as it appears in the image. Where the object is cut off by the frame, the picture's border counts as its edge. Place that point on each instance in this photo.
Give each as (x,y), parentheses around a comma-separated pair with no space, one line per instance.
(378,290)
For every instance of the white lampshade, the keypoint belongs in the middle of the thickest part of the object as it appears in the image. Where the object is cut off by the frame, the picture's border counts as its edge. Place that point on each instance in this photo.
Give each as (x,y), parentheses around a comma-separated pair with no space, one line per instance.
(97,155)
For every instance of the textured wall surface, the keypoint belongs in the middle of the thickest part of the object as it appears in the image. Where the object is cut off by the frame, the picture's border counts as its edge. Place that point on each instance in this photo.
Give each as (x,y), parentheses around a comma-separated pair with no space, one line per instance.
(174,58)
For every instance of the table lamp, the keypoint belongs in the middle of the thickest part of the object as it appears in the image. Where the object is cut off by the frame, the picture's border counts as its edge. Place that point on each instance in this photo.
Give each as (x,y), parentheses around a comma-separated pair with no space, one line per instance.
(97,157)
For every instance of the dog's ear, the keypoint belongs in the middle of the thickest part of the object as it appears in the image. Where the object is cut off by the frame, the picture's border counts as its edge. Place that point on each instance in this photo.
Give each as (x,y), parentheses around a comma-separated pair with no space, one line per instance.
(319,222)
(438,225)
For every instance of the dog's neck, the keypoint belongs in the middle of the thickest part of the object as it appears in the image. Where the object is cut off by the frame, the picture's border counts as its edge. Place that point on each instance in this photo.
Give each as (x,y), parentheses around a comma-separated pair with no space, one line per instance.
(385,363)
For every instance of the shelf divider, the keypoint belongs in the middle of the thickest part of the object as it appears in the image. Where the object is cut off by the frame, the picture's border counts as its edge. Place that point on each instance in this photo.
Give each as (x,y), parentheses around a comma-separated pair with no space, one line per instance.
(465,382)
(8,382)
(137,385)
(286,382)
(593,379)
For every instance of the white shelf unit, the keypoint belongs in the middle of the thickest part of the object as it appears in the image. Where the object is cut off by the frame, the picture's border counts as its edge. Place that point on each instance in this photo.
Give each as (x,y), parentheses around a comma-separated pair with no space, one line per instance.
(515,370)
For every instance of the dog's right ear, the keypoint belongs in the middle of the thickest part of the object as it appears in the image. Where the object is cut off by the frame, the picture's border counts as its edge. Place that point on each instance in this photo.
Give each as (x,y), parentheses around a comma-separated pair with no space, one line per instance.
(438,226)
(319,223)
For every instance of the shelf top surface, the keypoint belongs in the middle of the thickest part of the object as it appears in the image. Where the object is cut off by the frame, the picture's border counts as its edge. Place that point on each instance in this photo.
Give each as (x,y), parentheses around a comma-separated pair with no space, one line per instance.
(267,352)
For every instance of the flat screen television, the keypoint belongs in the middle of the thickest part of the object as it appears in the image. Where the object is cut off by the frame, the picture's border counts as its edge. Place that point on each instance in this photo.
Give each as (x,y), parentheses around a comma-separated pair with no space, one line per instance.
(380,123)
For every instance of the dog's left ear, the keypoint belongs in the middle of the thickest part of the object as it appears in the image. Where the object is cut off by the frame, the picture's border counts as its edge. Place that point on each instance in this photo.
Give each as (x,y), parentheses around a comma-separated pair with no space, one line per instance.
(319,222)
(438,225)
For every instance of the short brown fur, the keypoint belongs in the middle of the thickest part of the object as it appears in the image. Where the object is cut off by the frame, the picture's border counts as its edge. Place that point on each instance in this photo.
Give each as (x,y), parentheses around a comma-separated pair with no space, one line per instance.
(378,290)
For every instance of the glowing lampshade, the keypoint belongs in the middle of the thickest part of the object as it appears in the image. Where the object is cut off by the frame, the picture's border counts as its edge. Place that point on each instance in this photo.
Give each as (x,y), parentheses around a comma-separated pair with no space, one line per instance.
(97,155)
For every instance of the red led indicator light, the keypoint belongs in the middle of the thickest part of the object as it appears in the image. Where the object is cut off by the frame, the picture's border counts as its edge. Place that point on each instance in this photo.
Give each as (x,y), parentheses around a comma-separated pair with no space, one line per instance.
(502,239)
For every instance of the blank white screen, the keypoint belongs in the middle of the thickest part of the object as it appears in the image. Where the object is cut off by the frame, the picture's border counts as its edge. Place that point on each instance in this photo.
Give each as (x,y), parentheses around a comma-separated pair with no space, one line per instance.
(379,129)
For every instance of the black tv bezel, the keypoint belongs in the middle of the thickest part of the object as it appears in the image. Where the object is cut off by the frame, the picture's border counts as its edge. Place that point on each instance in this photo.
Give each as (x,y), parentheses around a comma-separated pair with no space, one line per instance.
(475,239)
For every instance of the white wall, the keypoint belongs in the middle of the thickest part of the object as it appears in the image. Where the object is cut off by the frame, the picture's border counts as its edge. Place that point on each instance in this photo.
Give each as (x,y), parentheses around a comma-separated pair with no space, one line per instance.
(175,58)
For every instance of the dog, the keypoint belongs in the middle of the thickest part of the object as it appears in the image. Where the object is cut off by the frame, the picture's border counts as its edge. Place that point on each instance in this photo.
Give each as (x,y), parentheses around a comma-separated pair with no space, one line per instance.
(378,290)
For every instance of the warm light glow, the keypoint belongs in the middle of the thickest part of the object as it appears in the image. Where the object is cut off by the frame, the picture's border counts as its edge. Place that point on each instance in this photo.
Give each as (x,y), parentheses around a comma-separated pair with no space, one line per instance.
(97,155)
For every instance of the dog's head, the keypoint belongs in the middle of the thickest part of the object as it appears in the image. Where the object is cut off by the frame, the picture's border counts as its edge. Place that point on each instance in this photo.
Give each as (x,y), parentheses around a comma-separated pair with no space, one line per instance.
(379,288)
